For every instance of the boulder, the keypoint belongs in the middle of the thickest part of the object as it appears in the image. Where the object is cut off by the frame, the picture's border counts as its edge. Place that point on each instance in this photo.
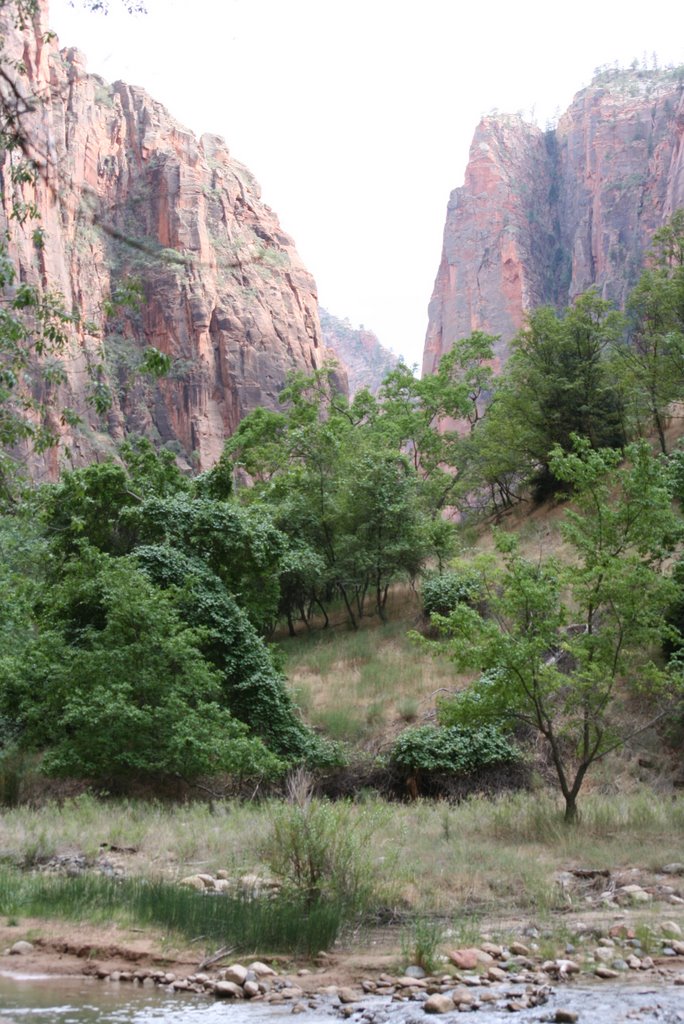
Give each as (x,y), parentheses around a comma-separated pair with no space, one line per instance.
(438,1003)
(468,959)
(21,948)
(260,969)
(228,990)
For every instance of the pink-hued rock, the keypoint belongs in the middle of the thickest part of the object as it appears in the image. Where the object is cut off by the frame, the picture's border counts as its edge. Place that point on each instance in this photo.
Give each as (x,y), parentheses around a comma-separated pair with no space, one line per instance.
(127,190)
(464,959)
(544,215)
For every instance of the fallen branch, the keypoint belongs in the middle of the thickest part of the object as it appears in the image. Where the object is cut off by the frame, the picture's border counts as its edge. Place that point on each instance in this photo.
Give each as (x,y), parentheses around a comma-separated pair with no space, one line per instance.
(215,957)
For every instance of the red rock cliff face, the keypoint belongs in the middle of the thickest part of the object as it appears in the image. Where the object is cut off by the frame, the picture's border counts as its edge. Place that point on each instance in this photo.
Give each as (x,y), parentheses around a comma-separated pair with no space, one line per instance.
(542,216)
(127,190)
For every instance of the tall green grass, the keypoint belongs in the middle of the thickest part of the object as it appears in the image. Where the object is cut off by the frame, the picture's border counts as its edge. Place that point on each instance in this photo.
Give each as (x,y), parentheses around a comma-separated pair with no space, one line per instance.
(274,925)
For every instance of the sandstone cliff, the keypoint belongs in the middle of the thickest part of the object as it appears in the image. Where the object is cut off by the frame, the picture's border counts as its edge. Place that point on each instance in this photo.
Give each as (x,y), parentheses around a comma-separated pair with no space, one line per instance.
(544,215)
(126,191)
(365,360)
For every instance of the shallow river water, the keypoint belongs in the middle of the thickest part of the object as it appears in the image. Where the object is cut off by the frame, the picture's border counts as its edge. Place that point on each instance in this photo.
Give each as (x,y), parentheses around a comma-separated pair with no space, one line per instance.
(50,1000)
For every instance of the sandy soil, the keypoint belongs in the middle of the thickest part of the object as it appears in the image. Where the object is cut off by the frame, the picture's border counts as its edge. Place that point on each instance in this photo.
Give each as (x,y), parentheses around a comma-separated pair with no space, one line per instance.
(73,949)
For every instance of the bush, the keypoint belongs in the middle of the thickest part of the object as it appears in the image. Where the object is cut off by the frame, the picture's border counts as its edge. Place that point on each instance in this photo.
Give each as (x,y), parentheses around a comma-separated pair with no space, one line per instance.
(462,751)
(115,686)
(322,851)
(441,592)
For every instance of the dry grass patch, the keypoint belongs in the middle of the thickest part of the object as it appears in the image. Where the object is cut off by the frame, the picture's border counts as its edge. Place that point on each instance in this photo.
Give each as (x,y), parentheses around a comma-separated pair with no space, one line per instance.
(363,686)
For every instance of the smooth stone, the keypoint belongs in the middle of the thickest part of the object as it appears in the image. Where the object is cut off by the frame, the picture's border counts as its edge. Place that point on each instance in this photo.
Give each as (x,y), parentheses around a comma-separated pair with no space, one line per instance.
(414,971)
(606,973)
(519,949)
(235,973)
(21,948)
(497,974)
(260,969)
(464,959)
(348,995)
(462,997)
(228,990)
(438,1003)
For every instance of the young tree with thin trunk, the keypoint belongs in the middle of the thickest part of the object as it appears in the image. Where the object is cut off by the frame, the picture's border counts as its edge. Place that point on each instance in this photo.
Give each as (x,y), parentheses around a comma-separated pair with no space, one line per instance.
(565,645)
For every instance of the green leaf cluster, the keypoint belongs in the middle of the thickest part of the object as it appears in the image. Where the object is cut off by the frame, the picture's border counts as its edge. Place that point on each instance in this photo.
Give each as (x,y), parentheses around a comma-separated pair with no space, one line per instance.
(454,749)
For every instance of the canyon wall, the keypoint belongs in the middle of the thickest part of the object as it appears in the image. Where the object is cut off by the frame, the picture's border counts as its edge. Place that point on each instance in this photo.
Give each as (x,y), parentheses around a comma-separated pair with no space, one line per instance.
(364,359)
(126,192)
(544,215)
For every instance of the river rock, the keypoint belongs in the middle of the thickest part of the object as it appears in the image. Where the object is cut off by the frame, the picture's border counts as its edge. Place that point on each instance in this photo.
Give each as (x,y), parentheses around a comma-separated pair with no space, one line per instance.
(235,973)
(21,948)
(348,995)
(407,981)
(438,1003)
(634,893)
(493,949)
(561,967)
(461,996)
(677,868)
(251,989)
(565,1017)
(604,954)
(468,959)
(671,929)
(606,973)
(497,974)
(193,882)
(519,949)
(414,971)
(260,969)
(228,990)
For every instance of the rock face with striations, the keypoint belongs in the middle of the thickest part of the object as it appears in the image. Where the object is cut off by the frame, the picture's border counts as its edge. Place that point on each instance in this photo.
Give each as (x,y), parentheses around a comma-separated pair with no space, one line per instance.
(545,215)
(364,359)
(125,191)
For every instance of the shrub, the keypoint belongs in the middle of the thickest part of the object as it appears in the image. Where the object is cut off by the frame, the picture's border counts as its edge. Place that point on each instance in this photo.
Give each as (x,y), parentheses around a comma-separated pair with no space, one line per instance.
(441,592)
(321,850)
(453,749)
(420,944)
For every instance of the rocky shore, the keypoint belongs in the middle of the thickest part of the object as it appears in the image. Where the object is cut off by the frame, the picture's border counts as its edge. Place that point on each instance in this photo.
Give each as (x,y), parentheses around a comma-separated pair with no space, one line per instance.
(514,976)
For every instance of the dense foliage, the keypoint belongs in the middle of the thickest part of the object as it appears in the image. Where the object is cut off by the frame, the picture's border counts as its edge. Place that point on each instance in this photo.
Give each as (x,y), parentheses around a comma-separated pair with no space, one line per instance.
(452,749)
(129,599)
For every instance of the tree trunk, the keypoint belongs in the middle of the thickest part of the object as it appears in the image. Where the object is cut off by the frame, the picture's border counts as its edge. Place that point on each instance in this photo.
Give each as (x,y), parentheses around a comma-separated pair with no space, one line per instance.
(570,809)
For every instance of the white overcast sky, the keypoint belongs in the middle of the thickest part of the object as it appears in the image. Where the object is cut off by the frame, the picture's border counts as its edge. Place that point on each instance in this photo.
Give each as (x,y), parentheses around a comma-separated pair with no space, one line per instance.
(356,115)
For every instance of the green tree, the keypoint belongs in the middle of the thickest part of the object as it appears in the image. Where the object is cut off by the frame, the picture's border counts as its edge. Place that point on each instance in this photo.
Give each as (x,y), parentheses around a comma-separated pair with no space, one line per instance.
(650,362)
(561,385)
(341,487)
(563,645)
(114,686)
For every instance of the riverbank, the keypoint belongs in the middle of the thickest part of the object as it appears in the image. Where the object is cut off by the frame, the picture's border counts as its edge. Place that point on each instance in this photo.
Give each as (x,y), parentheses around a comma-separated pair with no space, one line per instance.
(480,899)
(635,947)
